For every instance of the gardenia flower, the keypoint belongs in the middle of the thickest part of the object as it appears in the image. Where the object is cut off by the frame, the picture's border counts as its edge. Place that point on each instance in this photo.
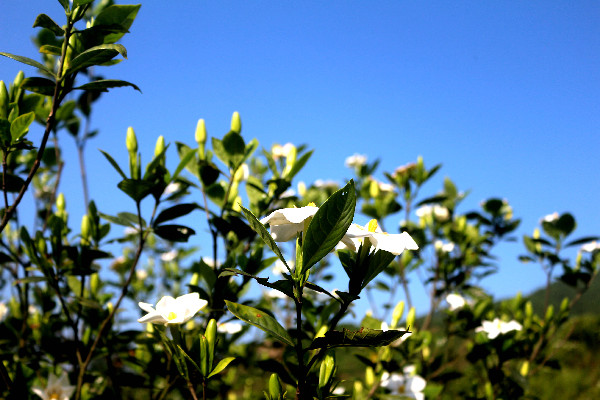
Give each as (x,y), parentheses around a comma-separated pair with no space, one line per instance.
(439,212)
(356,160)
(406,384)
(173,311)
(287,222)
(455,301)
(498,327)
(229,327)
(393,243)
(169,256)
(590,247)
(56,389)
(444,247)
(550,217)
(278,151)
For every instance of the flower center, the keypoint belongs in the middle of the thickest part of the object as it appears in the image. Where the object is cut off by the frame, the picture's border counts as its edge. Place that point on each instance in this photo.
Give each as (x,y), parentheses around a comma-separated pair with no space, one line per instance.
(372,225)
(311,204)
(54,395)
(171,316)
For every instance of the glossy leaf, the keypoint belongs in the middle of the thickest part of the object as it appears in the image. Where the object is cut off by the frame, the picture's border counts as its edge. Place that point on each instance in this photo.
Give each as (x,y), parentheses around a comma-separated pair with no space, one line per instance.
(174,233)
(97,55)
(364,337)
(104,84)
(282,285)
(264,235)
(328,225)
(117,15)
(261,320)
(221,366)
(178,210)
(39,85)
(135,188)
(114,164)
(45,21)
(28,61)
(51,50)
(20,126)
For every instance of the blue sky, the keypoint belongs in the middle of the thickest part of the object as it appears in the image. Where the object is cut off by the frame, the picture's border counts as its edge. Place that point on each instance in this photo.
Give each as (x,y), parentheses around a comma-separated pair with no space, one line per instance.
(506,95)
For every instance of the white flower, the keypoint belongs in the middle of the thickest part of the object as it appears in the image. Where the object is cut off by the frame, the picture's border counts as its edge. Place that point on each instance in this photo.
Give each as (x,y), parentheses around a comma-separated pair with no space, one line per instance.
(406,384)
(171,188)
(169,256)
(339,390)
(385,187)
(3,311)
(141,274)
(393,243)
(498,327)
(550,217)
(210,262)
(287,193)
(275,294)
(173,311)
(280,268)
(229,327)
(278,151)
(441,213)
(321,184)
(56,389)
(590,247)
(455,301)
(287,222)
(356,160)
(444,247)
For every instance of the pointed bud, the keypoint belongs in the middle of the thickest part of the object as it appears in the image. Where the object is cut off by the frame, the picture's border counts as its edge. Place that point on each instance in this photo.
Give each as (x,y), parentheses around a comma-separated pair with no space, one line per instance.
(373,189)
(301,188)
(131,141)
(85,230)
(327,369)
(369,376)
(236,122)
(160,146)
(524,368)
(94,285)
(211,340)
(19,80)
(410,319)
(4,100)
(60,202)
(549,313)
(201,132)
(397,314)
(275,388)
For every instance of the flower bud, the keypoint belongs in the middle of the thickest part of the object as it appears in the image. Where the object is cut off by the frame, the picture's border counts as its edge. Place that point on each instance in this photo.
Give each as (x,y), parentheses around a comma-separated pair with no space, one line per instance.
(131,141)
(236,122)
(327,369)
(410,318)
(211,340)
(397,314)
(549,313)
(524,368)
(4,100)
(301,188)
(369,376)
(160,146)
(195,279)
(373,189)
(18,80)
(60,202)
(200,132)
(275,388)
(94,285)
(564,305)
(85,230)
(426,352)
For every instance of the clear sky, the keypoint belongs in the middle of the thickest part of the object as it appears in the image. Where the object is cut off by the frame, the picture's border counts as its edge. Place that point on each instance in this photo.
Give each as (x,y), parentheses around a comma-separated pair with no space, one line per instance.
(506,95)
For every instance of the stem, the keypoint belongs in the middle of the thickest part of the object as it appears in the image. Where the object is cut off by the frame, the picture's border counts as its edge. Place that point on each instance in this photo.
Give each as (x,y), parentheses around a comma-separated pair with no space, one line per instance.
(300,395)
(193,392)
(4,166)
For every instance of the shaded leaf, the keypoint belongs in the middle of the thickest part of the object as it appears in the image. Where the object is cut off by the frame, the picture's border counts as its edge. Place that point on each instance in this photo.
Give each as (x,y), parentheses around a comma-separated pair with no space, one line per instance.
(174,233)
(114,164)
(117,15)
(14,183)
(104,84)
(137,189)
(20,126)
(176,211)
(364,337)
(221,366)
(261,320)
(45,21)
(39,85)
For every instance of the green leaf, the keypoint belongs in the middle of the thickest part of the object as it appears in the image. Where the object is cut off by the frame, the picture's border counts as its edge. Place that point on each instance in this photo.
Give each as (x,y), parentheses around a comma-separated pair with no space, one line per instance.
(5,136)
(328,226)
(77,3)
(39,85)
(377,263)
(137,189)
(221,366)
(45,21)
(261,320)
(176,211)
(114,164)
(185,160)
(119,220)
(219,150)
(117,15)
(30,279)
(174,233)
(566,224)
(51,50)
(582,240)
(282,285)
(299,164)
(28,61)
(20,126)
(14,183)
(364,337)
(259,228)
(104,84)
(97,55)
(64,3)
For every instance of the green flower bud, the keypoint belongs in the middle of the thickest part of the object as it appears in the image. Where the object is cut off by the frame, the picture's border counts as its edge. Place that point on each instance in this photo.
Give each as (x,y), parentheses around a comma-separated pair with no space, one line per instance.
(95,284)
(564,305)
(160,146)
(327,369)
(410,318)
(549,313)
(4,100)
(85,230)
(60,202)
(369,376)
(201,132)
(19,80)
(203,356)
(275,388)
(524,368)
(195,279)
(211,340)
(236,122)
(397,314)
(373,189)
(131,141)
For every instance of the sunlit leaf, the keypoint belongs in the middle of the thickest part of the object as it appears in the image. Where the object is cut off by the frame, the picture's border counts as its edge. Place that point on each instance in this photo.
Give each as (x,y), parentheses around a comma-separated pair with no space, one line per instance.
(261,320)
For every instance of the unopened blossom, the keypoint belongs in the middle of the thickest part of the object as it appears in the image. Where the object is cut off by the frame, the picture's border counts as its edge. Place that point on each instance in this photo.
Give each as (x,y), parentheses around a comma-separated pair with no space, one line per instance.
(3,311)
(58,388)
(444,247)
(590,247)
(356,160)
(287,222)
(173,311)
(394,243)
(229,327)
(440,213)
(455,301)
(498,327)
(406,384)
(141,274)
(550,217)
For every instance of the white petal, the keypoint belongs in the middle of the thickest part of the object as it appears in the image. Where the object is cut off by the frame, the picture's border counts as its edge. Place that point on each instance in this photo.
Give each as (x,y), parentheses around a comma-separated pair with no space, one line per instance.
(165,304)
(285,232)
(146,307)
(416,383)
(152,318)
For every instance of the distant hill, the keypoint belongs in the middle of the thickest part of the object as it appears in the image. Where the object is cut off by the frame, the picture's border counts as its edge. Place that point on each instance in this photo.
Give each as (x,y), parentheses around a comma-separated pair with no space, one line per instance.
(588,304)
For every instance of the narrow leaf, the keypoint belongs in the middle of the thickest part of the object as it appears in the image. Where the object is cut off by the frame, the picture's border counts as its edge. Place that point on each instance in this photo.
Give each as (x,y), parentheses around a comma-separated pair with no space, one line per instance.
(28,61)
(364,337)
(178,210)
(261,320)
(328,225)
(221,366)
(96,56)
(185,160)
(104,84)
(114,164)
